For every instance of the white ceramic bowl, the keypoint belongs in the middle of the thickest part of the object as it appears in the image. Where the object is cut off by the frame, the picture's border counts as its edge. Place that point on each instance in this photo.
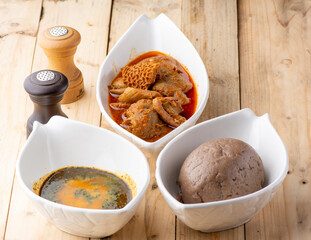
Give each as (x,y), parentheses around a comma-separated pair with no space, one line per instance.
(63,142)
(221,215)
(159,34)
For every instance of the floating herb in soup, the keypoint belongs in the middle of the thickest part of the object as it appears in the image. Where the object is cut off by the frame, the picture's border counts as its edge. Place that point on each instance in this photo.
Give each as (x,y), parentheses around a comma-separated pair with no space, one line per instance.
(86,187)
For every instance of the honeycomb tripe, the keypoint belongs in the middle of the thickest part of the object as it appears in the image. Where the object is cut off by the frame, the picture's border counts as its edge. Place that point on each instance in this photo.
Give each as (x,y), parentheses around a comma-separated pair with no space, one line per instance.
(140,75)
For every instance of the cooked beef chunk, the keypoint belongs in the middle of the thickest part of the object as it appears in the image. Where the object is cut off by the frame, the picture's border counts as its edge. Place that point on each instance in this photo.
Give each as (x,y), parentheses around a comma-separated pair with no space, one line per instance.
(169,109)
(142,120)
(171,79)
(131,95)
(182,97)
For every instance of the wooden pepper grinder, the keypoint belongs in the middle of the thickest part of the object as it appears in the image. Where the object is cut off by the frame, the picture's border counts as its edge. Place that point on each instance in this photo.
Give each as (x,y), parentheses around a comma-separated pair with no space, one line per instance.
(46,89)
(60,44)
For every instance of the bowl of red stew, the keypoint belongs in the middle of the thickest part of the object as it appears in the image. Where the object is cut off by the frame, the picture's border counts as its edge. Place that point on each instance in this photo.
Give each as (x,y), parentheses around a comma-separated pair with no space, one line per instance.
(86,180)
(153,83)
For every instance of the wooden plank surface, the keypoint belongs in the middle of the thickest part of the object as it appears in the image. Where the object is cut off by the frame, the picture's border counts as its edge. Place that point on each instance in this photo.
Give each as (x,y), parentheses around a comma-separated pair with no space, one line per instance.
(257,54)
(91,19)
(275,60)
(16,32)
(212,28)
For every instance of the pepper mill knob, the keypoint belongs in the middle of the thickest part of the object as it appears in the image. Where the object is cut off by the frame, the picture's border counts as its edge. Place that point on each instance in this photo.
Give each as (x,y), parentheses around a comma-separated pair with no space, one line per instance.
(46,89)
(60,44)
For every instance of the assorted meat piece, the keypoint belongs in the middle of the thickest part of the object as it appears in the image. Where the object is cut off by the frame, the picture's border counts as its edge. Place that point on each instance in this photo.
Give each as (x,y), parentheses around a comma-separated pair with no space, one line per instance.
(182,97)
(131,95)
(117,83)
(151,94)
(170,79)
(119,105)
(142,120)
(140,75)
(117,91)
(169,109)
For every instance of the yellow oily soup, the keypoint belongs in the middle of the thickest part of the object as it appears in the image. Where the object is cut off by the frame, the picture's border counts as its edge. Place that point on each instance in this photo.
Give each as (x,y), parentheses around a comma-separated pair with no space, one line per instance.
(86,187)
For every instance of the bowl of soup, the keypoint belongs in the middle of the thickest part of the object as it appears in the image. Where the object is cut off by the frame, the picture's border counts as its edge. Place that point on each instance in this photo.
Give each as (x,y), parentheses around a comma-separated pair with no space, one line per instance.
(153,83)
(86,180)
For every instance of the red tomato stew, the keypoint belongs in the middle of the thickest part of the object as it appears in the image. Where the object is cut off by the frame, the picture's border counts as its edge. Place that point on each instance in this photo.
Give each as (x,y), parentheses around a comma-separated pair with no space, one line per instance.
(152,95)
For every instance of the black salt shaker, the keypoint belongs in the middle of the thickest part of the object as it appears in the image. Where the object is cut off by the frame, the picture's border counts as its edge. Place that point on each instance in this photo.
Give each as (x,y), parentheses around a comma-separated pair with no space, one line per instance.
(46,89)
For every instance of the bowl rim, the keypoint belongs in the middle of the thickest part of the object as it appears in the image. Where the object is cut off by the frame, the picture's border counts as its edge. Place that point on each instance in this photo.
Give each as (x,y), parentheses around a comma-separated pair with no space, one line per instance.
(199,108)
(36,197)
(265,189)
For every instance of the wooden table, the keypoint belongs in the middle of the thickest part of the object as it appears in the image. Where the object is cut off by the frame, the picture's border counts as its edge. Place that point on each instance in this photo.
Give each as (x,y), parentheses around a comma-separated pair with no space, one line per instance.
(257,55)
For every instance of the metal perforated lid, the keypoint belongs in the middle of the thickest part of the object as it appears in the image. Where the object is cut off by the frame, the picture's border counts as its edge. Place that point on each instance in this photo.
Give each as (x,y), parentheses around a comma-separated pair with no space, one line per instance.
(45,76)
(58,31)
(46,82)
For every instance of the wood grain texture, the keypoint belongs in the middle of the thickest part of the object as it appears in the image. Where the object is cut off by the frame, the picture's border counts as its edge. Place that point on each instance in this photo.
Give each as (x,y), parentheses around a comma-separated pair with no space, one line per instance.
(212,28)
(16,31)
(275,73)
(91,19)
(154,219)
(257,54)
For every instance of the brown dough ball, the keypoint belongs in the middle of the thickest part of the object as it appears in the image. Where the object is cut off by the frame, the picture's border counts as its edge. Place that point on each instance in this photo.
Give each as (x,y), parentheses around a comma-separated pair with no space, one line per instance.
(220,169)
